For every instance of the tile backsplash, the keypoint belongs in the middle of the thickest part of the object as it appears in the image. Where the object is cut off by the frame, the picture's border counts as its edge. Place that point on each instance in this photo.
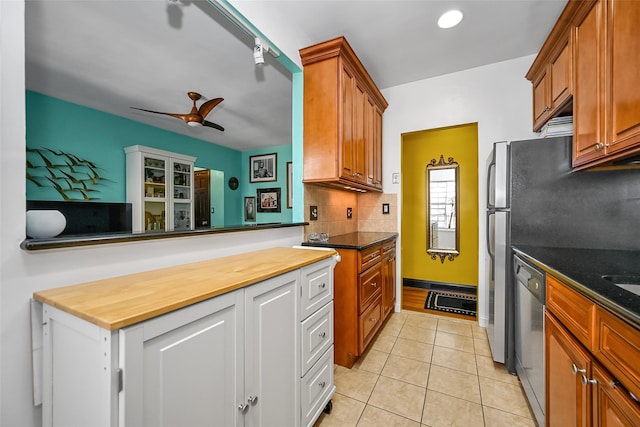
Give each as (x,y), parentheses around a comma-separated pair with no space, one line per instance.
(332,211)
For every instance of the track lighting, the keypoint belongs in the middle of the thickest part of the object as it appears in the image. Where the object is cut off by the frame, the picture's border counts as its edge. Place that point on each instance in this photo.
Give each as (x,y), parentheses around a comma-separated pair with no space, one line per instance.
(258,52)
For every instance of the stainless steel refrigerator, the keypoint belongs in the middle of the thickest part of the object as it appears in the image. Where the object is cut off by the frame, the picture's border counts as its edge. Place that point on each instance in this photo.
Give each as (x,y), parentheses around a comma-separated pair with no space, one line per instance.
(534,198)
(521,180)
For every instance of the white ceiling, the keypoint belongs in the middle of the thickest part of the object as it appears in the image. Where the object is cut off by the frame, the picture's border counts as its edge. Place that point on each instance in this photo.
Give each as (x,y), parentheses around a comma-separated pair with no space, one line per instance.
(113,55)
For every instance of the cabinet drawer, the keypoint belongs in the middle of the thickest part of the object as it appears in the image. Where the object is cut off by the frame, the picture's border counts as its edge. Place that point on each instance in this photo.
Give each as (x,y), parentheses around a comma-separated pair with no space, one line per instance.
(317,287)
(370,322)
(576,312)
(618,349)
(317,336)
(369,257)
(369,287)
(317,388)
(388,248)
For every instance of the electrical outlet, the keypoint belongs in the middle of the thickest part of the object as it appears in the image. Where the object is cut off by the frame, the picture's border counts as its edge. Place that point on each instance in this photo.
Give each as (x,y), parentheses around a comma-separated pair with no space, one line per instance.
(385,209)
(313,213)
(349,213)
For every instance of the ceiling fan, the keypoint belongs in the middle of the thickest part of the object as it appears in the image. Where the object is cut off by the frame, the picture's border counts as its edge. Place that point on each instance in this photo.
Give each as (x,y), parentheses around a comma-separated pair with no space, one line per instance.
(197,115)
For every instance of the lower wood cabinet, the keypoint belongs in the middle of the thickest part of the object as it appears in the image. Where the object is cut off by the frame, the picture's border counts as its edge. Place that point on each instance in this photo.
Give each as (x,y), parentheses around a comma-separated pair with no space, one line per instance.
(364,298)
(244,358)
(591,363)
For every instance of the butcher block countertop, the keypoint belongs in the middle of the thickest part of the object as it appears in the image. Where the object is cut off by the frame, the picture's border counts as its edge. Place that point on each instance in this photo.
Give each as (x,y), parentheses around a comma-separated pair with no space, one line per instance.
(123,301)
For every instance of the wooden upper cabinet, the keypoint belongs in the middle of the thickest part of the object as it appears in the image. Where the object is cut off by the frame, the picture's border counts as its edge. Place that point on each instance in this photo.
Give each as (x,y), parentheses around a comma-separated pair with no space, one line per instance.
(342,118)
(607,95)
(588,120)
(623,82)
(552,84)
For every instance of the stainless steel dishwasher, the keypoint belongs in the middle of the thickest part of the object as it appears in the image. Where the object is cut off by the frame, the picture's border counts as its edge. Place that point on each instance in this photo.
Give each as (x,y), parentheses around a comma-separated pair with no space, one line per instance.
(529,333)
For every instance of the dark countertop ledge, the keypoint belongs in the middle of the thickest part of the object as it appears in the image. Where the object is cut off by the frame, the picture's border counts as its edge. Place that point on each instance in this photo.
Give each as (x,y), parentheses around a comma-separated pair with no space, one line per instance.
(582,269)
(107,238)
(359,240)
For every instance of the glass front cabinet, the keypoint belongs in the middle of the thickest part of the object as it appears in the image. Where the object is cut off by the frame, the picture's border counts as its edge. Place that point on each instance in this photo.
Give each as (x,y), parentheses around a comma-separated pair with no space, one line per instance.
(160,189)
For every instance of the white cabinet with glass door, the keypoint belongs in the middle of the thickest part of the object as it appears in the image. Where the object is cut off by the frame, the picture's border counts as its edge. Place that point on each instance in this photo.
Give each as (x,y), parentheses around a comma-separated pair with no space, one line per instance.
(160,189)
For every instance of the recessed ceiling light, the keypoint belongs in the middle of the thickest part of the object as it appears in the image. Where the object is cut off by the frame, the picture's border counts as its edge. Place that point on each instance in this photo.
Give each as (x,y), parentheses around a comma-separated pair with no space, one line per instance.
(450,19)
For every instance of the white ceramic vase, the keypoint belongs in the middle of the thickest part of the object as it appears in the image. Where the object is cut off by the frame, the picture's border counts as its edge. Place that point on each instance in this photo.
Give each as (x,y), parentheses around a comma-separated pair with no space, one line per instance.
(42,224)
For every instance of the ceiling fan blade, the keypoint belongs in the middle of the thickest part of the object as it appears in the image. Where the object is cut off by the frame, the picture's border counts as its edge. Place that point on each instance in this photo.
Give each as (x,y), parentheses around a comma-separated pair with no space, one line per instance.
(206,108)
(212,125)
(176,115)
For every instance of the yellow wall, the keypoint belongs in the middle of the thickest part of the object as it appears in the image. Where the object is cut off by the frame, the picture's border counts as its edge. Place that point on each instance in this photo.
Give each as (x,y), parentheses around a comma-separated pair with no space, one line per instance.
(418,149)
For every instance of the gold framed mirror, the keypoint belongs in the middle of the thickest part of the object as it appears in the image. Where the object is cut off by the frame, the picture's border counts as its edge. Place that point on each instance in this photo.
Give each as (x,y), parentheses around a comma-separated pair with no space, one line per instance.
(443,206)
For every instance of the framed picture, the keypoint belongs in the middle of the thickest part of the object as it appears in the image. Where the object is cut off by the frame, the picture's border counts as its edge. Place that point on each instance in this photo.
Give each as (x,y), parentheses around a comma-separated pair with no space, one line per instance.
(268,199)
(289,184)
(250,209)
(263,168)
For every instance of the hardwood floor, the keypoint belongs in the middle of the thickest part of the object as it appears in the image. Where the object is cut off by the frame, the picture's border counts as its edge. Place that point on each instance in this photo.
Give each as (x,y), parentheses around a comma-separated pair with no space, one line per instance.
(413,299)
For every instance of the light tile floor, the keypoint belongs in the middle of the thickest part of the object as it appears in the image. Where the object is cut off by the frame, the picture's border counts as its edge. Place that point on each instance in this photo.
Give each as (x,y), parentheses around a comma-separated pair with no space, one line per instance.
(424,370)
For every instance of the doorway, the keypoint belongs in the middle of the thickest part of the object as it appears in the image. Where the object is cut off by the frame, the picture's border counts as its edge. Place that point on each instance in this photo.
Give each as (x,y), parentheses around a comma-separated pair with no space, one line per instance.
(418,268)
(208,195)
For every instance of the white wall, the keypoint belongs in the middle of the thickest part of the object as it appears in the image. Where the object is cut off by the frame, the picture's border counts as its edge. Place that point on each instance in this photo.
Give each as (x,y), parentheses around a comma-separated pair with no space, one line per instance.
(23,272)
(496,96)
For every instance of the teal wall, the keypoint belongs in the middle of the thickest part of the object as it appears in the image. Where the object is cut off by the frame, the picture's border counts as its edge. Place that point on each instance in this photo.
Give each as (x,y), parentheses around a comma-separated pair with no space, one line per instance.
(100,137)
(283,155)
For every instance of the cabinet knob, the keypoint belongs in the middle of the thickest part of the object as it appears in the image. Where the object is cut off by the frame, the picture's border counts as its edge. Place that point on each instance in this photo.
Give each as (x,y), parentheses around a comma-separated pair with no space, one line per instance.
(252,399)
(575,369)
(322,286)
(322,384)
(243,407)
(599,146)
(586,380)
(374,284)
(374,320)
(322,334)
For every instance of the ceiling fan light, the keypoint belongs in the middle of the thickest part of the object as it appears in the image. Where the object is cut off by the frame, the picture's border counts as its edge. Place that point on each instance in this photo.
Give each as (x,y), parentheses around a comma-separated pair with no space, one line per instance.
(194,124)
(450,19)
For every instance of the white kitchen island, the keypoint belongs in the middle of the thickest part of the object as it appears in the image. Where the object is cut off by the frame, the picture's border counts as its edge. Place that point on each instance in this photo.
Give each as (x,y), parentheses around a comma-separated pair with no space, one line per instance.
(232,341)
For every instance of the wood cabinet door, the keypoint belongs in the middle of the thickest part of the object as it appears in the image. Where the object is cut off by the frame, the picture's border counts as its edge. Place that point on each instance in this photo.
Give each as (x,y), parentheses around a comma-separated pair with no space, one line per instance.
(360,145)
(588,106)
(347,143)
(272,350)
(560,73)
(567,397)
(623,75)
(612,404)
(370,286)
(389,283)
(541,104)
(377,147)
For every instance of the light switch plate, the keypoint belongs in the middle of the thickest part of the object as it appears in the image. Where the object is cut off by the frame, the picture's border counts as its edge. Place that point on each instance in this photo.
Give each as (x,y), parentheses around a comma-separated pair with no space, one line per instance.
(395,178)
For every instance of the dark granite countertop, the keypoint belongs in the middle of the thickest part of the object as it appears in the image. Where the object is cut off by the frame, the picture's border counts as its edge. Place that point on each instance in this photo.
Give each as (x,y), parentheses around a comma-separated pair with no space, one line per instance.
(583,269)
(358,240)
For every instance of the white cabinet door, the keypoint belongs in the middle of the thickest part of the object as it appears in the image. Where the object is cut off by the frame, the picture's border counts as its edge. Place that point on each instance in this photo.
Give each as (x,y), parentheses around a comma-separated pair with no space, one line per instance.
(186,368)
(272,352)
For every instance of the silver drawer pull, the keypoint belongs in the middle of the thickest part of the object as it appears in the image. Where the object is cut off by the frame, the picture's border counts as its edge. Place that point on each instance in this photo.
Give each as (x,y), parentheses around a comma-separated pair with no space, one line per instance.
(586,380)
(322,286)
(243,407)
(322,334)
(575,369)
(322,384)
(252,399)
(374,284)
(374,320)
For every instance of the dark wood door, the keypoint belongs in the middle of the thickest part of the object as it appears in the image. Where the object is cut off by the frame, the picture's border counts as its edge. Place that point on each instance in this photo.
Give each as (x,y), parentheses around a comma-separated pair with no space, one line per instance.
(202,198)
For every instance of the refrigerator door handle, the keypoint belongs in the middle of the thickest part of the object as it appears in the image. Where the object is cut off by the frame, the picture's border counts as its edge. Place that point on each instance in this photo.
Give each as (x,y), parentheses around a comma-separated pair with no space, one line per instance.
(490,170)
(491,252)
